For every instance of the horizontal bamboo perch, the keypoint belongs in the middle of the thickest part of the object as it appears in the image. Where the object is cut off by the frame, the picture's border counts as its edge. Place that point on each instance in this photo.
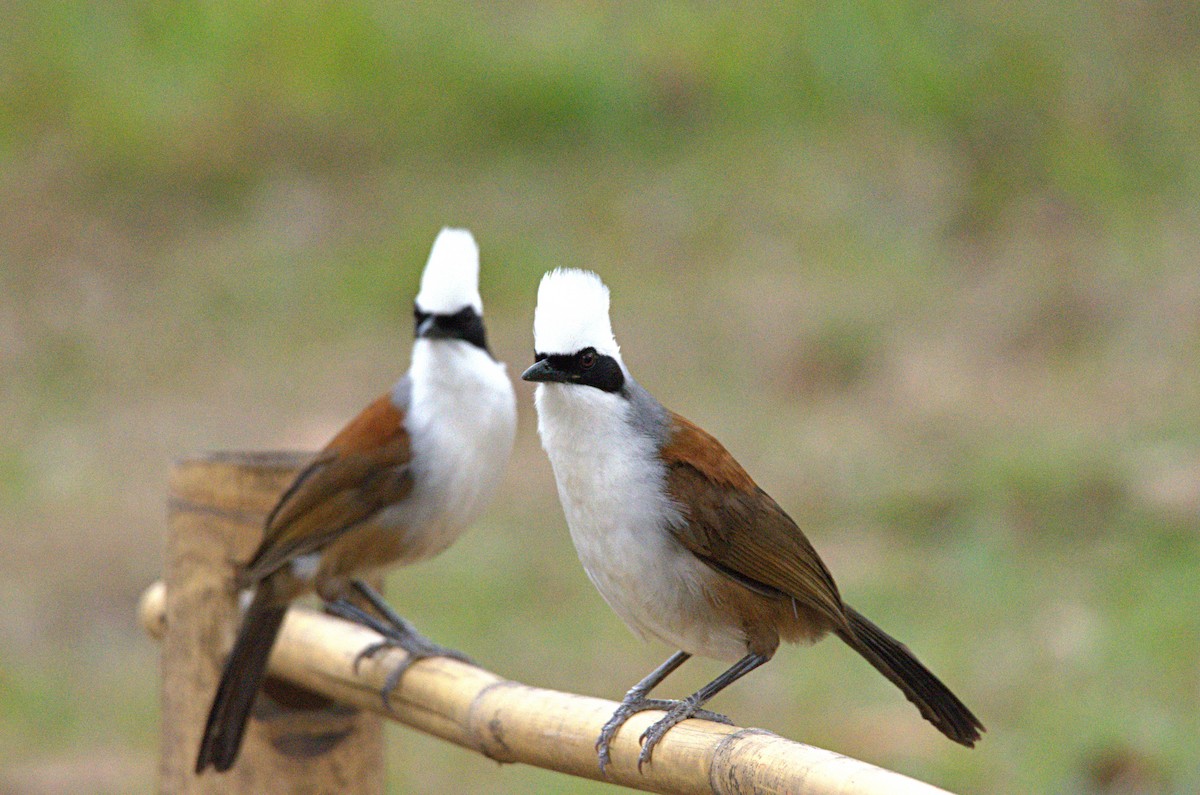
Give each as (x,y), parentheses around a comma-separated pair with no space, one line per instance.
(511,722)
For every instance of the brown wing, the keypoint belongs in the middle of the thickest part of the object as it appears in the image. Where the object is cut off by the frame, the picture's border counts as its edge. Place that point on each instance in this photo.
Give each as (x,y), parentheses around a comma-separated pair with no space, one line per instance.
(362,470)
(737,529)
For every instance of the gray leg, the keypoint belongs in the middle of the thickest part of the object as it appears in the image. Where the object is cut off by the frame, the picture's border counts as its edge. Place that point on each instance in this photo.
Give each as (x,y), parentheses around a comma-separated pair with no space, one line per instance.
(690,706)
(396,632)
(635,701)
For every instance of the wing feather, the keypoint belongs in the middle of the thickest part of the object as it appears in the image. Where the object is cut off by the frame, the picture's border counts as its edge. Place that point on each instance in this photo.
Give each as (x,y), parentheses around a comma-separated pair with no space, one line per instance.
(363,469)
(737,529)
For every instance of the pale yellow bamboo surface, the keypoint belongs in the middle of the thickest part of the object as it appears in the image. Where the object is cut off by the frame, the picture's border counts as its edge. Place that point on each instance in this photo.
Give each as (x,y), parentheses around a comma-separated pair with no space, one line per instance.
(512,722)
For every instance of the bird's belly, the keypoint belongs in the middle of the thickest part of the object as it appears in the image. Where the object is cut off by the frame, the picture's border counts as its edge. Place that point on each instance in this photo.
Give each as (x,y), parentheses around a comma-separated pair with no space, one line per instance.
(656,586)
(458,462)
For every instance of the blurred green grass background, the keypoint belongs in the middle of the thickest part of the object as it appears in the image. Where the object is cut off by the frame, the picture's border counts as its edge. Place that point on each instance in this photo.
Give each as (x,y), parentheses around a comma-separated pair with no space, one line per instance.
(929,270)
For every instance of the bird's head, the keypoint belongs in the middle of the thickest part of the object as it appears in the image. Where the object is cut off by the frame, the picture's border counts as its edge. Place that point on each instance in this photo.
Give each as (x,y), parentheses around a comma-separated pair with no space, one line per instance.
(572,335)
(448,305)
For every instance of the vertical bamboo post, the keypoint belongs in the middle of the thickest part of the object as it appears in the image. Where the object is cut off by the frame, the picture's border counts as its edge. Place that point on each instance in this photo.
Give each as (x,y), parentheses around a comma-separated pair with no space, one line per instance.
(297,742)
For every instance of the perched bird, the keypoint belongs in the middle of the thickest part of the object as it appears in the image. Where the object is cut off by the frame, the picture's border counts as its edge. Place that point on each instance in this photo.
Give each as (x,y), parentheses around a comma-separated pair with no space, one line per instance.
(398,484)
(677,537)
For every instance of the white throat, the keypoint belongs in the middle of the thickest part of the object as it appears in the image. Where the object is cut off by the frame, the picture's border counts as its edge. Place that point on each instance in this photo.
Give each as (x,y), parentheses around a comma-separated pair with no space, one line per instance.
(461,420)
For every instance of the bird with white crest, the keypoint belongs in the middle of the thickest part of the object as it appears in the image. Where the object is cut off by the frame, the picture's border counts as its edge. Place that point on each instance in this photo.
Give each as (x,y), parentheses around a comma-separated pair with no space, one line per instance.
(398,484)
(677,537)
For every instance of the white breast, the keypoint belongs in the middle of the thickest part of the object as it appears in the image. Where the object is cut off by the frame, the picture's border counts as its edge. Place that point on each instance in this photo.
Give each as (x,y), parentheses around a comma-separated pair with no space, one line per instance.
(612,487)
(461,421)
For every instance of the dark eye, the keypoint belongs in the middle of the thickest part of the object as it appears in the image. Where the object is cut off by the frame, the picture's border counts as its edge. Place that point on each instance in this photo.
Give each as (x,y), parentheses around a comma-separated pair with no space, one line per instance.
(587,359)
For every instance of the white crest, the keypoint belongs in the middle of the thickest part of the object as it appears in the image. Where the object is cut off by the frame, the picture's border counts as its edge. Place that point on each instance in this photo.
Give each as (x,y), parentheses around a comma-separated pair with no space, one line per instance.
(572,314)
(451,278)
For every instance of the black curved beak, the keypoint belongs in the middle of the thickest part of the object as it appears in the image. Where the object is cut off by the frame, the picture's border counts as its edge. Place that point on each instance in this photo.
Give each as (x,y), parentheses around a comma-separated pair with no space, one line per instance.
(544,372)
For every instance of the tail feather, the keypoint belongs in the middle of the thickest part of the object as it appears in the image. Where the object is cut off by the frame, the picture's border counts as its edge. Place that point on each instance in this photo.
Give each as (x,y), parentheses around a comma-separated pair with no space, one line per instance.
(240,682)
(893,659)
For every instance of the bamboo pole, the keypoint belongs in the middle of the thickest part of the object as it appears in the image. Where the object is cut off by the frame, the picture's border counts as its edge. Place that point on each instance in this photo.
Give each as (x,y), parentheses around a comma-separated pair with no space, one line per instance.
(511,722)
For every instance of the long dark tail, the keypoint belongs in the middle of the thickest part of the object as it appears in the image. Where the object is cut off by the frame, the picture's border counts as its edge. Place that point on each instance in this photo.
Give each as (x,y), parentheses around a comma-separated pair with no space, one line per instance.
(893,659)
(240,681)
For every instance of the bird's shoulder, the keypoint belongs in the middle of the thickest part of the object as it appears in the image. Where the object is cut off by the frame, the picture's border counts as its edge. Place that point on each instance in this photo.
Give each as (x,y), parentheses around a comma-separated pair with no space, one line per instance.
(689,445)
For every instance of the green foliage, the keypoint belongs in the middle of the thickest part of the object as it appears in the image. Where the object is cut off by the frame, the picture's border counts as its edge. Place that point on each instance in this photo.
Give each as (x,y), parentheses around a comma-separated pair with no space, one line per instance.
(213,97)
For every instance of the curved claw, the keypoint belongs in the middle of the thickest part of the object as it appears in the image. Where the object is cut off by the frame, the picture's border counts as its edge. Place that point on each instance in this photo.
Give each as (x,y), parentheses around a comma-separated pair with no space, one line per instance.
(624,712)
(627,710)
(397,634)
(681,711)
(609,731)
(393,681)
(369,652)
(417,648)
